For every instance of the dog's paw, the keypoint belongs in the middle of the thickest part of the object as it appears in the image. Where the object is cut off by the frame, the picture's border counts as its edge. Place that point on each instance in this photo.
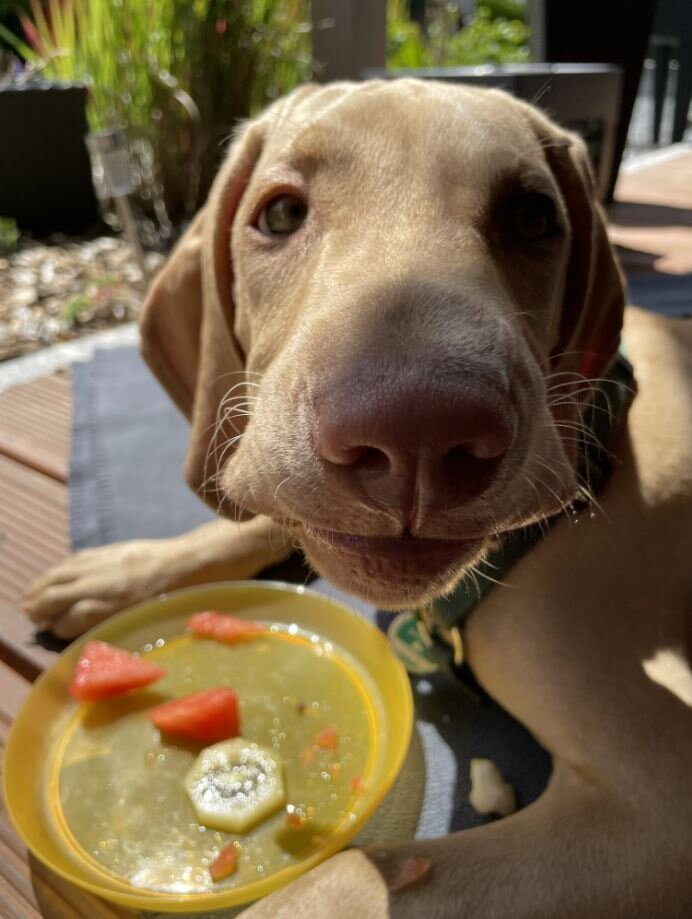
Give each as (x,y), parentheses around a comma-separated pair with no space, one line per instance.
(93,584)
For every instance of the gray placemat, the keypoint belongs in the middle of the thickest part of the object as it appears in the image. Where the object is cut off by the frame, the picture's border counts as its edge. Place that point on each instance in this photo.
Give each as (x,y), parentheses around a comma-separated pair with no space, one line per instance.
(667,294)
(126,482)
(128,448)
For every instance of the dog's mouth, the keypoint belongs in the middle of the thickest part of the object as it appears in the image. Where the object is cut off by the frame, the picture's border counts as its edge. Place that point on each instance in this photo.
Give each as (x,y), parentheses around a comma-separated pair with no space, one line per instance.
(405,548)
(389,569)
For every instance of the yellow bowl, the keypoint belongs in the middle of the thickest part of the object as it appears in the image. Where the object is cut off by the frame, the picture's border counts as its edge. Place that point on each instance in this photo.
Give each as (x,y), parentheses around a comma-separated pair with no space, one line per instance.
(32,745)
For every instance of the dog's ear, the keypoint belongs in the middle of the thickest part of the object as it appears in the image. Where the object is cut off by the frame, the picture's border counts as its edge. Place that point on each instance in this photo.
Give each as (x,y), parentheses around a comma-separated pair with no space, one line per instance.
(588,332)
(186,323)
(171,319)
(594,297)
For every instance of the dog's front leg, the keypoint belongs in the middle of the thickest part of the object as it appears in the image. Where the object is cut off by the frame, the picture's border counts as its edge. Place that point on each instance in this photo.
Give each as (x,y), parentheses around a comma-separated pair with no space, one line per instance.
(576,853)
(96,583)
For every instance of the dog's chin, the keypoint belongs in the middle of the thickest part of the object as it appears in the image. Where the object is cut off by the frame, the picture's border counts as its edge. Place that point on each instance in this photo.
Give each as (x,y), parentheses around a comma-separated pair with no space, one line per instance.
(391,573)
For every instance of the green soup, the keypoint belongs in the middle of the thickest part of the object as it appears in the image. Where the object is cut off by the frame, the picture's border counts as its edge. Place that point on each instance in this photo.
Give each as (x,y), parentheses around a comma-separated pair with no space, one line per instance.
(120,783)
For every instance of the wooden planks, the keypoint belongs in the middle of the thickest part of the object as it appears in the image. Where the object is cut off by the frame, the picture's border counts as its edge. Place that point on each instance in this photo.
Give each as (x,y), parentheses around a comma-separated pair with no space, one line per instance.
(652,216)
(35,426)
(35,422)
(33,536)
(28,890)
(58,899)
(33,525)
(16,893)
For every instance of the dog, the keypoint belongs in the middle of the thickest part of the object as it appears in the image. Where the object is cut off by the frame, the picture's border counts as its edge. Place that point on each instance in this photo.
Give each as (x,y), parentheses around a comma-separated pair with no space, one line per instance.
(385,327)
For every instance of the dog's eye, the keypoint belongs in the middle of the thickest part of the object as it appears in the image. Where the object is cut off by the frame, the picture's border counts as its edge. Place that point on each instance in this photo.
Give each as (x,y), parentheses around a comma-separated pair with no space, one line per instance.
(282,215)
(533,217)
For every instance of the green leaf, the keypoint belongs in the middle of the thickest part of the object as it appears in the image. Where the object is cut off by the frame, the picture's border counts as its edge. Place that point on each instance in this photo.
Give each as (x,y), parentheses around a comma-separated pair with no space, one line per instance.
(17,44)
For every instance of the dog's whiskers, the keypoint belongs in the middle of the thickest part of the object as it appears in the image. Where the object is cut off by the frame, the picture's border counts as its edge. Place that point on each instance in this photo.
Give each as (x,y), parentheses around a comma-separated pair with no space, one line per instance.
(585,433)
(481,574)
(561,354)
(225,413)
(564,505)
(540,521)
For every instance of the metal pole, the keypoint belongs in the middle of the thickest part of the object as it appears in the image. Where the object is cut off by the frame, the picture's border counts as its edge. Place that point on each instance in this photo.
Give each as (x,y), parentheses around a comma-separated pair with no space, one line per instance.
(536,21)
(127,220)
(109,149)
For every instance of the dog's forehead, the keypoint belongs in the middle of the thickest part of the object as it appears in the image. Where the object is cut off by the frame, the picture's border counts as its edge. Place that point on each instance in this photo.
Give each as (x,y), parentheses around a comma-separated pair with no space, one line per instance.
(412,125)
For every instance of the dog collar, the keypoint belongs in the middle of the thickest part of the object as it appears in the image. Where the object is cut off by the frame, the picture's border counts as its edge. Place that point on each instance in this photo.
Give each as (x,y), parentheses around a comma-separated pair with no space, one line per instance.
(431,638)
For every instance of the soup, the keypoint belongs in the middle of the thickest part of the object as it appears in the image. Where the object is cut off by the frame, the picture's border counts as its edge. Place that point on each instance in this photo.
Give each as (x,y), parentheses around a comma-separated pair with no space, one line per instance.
(120,784)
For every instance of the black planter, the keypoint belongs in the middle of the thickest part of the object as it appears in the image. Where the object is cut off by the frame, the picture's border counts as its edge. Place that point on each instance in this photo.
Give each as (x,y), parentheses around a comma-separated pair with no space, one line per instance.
(45,172)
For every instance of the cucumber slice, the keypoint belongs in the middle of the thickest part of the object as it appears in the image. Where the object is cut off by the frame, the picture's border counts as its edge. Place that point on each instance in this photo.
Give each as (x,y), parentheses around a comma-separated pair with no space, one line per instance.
(235,785)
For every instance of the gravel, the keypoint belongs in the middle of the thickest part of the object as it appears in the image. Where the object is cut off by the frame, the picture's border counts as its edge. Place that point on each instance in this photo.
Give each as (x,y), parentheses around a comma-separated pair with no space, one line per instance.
(60,291)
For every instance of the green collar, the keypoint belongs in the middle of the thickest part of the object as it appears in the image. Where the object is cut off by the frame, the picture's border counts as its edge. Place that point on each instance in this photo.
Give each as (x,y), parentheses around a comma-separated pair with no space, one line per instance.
(440,625)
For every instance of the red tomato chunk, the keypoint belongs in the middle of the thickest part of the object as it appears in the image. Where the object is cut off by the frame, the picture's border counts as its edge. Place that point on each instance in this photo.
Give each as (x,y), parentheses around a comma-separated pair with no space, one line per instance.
(327,738)
(219,626)
(357,785)
(225,863)
(103,671)
(209,716)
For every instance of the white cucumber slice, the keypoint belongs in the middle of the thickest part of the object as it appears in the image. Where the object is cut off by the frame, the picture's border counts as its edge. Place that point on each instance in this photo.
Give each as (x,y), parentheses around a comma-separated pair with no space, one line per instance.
(235,785)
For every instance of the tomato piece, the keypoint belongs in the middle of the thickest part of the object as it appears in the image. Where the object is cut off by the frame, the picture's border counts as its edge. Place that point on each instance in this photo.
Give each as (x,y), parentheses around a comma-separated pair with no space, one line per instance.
(327,738)
(208,716)
(357,785)
(225,863)
(103,671)
(307,756)
(295,820)
(221,627)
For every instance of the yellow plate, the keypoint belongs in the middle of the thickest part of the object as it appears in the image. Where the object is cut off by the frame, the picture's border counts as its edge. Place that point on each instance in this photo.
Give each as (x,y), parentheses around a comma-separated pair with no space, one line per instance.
(33,749)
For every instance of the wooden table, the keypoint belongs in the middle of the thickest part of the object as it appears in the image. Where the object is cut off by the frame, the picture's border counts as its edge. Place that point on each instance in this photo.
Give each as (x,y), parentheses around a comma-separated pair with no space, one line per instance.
(652,222)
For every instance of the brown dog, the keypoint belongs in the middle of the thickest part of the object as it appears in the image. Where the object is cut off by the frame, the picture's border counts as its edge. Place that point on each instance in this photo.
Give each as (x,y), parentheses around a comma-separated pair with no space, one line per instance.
(391,313)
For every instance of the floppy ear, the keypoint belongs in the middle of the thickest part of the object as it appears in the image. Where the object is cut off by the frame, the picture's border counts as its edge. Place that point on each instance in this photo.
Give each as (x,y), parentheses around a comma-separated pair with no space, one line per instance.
(594,296)
(187,320)
(588,332)
(171,319)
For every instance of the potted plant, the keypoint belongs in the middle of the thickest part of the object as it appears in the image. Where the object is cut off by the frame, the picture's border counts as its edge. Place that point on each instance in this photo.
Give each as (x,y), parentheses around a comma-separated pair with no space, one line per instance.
(175,76)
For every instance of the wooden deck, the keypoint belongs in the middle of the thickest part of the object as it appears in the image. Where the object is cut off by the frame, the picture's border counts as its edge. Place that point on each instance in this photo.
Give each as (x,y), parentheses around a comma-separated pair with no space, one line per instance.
(652,223)
(34,456)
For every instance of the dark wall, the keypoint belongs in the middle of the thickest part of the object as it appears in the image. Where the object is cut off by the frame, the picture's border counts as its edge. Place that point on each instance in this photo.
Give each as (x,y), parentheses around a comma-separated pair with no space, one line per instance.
(602,32)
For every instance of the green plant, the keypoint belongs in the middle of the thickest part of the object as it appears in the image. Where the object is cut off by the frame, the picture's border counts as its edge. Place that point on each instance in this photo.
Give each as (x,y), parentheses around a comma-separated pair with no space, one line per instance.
(71,310)
(9,20)
(178,74)
(406,46)
(50,35)
(507,9)
(9,234)
(484,39)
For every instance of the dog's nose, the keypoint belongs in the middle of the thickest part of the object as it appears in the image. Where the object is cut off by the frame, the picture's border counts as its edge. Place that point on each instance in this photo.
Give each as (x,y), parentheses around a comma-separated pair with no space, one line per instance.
(403,441)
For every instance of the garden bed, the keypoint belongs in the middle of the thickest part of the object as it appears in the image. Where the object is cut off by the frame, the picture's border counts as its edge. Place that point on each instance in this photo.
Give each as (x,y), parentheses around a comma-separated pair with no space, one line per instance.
(57,291)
